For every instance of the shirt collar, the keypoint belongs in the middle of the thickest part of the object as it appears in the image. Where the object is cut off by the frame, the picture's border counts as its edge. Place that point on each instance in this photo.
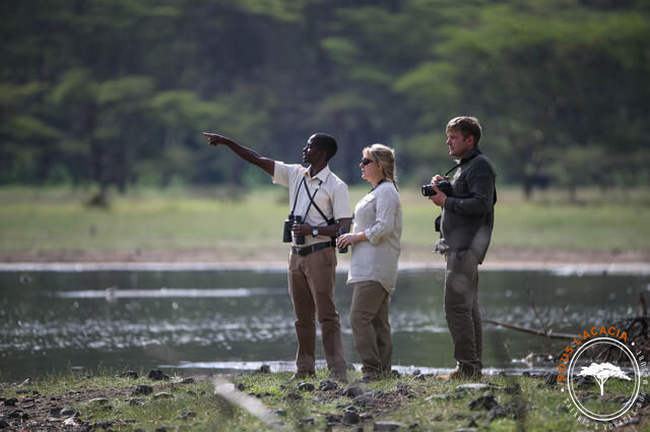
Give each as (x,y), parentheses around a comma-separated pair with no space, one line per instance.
(321,175)
(473,152)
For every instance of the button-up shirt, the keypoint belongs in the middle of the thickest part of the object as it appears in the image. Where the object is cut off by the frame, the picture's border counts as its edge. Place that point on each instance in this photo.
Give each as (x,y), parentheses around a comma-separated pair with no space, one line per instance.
(328,191)
(379,216)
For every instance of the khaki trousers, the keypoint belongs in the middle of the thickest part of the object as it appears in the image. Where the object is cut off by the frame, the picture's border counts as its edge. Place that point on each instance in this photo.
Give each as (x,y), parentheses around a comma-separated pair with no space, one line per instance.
(462,308)
(311,286)
(370,327)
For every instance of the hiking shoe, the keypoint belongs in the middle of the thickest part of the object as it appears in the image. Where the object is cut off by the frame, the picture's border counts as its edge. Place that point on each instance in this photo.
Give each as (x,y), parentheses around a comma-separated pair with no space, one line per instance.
(465,372)
(339,376)
(301,375)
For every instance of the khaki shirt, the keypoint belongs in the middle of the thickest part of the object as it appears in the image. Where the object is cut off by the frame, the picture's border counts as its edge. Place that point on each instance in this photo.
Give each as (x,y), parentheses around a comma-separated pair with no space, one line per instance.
(331,196)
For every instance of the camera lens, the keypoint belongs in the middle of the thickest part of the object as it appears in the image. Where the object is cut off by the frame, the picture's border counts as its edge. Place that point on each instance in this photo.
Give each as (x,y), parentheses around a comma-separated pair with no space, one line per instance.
(427,190)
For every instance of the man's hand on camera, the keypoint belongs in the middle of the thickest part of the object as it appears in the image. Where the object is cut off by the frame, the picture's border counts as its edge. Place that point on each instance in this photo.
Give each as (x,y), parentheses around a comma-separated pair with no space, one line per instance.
(437,179)
(439,198)
(216,139)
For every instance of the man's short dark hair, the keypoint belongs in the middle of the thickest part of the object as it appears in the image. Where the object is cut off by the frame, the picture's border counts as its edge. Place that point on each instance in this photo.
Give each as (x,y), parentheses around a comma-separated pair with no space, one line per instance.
(466,126)
(325,142)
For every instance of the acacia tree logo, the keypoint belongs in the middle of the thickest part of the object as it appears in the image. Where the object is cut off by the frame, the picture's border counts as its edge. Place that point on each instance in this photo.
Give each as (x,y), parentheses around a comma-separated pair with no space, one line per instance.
(602,372)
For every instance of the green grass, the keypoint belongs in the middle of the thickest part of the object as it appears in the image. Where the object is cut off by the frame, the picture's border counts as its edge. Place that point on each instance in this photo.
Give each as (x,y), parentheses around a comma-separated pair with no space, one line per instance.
(417,403)
(247,224)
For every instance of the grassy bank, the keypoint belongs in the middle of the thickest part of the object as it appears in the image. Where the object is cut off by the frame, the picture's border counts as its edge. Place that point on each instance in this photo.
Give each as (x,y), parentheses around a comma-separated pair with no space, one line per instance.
(414,402)
(232,224)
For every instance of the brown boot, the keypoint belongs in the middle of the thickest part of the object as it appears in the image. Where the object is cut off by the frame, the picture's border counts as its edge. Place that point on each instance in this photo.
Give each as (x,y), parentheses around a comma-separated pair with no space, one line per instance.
(465,371)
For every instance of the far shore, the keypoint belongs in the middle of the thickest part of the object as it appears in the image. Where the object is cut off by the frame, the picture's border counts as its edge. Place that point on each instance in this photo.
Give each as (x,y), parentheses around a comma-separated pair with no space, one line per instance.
(636,262)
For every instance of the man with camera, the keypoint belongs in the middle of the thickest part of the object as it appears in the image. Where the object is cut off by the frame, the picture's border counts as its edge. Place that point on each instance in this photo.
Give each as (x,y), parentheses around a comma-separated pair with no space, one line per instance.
(467,202)
(320,206)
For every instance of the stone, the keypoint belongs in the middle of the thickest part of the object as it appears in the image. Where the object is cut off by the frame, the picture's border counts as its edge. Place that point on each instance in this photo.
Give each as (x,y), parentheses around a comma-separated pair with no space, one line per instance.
(294,397)
(550,379)
(128,374)
(497,412)
(363,400)
(158,375)
(353,392)
(186,415)
(350,415)
(143,389)
(486,402)
(328,385)
(386,426)
(306,386)
(333,418)
(68,412)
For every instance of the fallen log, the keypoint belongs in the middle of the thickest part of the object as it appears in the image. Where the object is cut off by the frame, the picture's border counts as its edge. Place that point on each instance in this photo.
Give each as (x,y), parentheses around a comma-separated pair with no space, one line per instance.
(548,334)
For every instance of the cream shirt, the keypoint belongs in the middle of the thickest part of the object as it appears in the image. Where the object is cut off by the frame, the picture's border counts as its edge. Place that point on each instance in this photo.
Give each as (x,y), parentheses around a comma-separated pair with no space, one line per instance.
(379,215)
(331,196)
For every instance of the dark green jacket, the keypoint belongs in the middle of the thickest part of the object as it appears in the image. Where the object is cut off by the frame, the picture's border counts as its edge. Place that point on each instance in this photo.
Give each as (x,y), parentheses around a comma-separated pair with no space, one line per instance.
(468,215)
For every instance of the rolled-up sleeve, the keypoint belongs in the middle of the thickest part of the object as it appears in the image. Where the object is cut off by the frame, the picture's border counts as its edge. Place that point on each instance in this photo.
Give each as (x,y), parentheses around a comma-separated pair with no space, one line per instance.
(281,173)
(341,202)
(386,211)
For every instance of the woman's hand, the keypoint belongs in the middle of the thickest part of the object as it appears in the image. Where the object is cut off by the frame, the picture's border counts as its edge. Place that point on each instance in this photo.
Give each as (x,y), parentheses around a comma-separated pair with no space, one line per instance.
(350,239)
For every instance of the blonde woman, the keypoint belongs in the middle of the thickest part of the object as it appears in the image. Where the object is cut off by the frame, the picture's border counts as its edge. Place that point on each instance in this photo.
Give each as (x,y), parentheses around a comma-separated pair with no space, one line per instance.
(375,242)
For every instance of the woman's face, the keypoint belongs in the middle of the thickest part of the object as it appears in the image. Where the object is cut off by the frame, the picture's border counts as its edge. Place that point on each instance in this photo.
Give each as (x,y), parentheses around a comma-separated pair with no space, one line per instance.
(370,170)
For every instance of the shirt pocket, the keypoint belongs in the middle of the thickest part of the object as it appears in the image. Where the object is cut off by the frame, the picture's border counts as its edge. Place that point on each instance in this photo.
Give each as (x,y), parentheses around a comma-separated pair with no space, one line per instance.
(365,203)
(364,211)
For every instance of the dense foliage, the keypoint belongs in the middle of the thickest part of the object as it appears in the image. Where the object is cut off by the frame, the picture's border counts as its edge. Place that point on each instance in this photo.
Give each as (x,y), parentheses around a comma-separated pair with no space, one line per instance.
(117,92)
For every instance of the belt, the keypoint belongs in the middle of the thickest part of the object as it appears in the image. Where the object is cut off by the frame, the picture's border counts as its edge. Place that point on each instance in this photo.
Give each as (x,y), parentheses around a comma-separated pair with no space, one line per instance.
(304,251)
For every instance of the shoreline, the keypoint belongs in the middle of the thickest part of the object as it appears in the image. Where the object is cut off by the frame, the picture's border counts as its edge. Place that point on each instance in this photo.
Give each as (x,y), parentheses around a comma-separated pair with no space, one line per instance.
(560,262)
(274,266)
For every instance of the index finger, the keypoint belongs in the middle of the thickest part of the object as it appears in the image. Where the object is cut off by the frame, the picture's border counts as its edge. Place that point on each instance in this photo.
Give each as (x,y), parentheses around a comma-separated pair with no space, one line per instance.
(210,134)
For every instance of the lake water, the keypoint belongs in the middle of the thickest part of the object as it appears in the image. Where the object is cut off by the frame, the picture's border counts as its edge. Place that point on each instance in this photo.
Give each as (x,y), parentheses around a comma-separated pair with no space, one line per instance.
(56,320)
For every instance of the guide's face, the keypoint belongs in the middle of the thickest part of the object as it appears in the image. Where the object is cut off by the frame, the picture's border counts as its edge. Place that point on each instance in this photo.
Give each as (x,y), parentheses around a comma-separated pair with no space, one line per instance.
(310,152)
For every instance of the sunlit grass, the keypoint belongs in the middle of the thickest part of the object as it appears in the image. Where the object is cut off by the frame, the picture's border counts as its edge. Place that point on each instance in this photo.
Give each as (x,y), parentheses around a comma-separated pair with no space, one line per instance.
(248,224)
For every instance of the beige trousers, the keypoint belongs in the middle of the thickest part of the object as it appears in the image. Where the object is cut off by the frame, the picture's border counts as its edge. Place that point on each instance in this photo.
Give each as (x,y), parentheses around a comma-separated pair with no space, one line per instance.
(370,327)
(311,286)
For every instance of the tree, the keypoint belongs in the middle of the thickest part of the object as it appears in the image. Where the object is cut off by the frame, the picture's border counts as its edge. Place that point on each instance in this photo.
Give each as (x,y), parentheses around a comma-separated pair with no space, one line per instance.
(602,372)
(115,92)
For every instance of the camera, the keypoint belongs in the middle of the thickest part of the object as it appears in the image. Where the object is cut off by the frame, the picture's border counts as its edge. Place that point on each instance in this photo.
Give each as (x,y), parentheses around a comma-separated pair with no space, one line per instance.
(444,186)
(288,225)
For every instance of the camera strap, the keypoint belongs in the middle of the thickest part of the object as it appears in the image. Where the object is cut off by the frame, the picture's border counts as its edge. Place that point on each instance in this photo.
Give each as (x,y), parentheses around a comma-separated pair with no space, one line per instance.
(461,162)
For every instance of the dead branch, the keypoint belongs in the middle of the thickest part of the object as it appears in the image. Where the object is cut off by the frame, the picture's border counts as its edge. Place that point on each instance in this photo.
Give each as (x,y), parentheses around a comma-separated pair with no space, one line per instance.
(548,334)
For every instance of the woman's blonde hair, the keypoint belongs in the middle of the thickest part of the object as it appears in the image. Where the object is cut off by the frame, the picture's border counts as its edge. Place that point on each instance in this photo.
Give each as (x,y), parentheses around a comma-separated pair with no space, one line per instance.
(385,157)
